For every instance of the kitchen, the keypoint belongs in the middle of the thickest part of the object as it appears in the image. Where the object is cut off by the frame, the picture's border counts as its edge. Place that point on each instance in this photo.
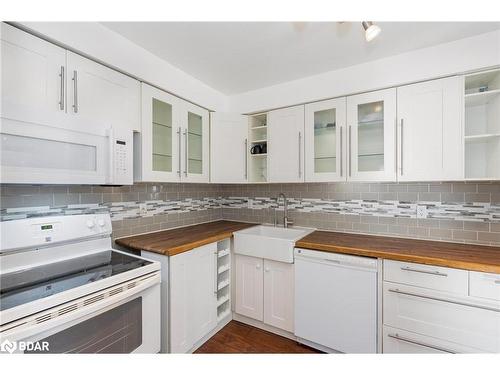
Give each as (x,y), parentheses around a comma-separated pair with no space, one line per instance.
(159,201)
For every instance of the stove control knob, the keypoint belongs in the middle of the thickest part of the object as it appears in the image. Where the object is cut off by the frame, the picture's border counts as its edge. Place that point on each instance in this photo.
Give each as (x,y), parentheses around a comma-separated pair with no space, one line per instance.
(101,222)
(90,224)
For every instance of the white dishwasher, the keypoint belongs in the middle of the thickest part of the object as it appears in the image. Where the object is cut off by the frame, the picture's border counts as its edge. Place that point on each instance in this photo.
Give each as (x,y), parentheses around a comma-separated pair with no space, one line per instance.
(336,301)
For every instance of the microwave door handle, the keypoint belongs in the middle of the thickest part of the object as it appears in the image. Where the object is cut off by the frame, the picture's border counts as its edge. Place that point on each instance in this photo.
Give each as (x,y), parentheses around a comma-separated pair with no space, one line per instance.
(111,156)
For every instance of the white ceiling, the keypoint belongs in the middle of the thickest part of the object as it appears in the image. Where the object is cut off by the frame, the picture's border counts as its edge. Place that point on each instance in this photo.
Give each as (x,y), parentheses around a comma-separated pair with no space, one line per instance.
(235,57)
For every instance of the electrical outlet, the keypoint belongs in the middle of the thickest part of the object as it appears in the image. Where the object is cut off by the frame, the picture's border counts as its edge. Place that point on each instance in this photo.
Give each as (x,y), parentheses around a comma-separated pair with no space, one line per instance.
(143,210)
(421,211)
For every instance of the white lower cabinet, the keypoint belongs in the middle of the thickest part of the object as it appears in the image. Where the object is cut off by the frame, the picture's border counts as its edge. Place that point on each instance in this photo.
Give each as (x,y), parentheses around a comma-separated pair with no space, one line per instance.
(193,297)
(249,287)
(446,315)
(265,291)
(279,294)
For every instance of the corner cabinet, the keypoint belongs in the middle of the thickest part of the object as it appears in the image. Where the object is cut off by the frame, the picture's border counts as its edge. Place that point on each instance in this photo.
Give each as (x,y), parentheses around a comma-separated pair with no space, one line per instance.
(371,136)
(285,144)
(430,144)
(173,145)
(325,141)
(228,148)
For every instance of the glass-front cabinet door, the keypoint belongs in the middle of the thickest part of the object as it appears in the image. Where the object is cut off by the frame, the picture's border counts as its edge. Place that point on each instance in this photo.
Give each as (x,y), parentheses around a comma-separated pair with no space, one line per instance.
(195,148)
(371,136)
(325,135)
(160,136)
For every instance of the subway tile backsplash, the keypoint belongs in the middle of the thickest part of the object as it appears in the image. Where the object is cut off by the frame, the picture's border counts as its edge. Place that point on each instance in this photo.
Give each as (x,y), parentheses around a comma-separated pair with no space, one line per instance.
(449,211)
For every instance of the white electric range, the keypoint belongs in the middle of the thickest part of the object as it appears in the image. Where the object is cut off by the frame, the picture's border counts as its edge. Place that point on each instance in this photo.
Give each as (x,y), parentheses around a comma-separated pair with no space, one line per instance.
(63,289)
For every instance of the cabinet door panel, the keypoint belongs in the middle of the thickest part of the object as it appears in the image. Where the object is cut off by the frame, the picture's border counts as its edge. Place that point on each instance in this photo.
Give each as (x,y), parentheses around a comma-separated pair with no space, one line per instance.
(160,137)
(181,338)
(430,130)
(286,144)
(279,294)
(33,88)
(371,136)
(325,147)
(203,291)
(228,151)
(195,146)
(249,286)
(102,94)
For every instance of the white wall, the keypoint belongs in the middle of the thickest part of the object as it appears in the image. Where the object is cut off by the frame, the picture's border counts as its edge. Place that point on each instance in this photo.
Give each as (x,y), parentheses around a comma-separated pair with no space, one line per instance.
(103,44)
(472,53)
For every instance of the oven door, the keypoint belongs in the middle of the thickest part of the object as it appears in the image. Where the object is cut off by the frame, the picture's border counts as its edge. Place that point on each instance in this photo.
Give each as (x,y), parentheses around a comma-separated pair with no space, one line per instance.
(124,318)
(33,153)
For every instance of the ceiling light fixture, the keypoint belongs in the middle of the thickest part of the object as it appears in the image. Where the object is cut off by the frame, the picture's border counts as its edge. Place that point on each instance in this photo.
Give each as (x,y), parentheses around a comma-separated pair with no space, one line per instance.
(371,30)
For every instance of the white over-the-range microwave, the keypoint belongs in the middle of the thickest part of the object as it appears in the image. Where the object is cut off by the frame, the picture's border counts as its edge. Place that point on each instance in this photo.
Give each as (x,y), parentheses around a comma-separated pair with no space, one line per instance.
(73,152)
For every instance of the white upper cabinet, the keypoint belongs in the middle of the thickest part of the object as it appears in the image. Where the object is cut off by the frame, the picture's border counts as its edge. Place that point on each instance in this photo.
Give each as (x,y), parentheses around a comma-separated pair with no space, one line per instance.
(371,136)
(285,144)
(33,78)
(96,92)
(157,152)
(174,140)
(325,141)
(228,148)
(430,133)
(195,153)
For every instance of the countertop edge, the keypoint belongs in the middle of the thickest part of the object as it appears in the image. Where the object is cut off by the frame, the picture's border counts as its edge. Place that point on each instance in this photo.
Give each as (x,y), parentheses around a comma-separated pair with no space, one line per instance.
(429,260)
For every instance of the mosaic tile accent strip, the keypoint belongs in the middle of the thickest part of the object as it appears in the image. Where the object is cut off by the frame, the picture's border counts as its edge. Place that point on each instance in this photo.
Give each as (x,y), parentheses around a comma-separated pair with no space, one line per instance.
(482,212)
(117,210)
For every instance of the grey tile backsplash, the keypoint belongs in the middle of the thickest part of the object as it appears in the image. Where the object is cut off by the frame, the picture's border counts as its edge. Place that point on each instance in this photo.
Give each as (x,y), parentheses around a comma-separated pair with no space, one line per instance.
(449,211)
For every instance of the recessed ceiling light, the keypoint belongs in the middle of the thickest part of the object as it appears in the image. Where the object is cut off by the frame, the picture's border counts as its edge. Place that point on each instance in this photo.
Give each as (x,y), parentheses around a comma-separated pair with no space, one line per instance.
(371,30)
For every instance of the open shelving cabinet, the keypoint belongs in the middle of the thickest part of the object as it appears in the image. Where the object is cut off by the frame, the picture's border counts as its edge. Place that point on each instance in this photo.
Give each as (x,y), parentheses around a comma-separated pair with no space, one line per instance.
(482,125)
(257,134)
(223,279)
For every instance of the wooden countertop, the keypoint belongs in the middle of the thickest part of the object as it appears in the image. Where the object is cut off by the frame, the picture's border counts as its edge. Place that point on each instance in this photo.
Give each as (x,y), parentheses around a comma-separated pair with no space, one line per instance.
(469,257)
(175,241)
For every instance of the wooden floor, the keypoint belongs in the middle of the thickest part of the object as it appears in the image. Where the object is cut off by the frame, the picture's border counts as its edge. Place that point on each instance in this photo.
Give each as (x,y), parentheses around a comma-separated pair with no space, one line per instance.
(237,337)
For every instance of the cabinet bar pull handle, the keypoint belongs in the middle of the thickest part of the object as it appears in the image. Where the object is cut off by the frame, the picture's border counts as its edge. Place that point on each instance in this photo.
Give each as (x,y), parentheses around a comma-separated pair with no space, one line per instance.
(300,154)
(246,159)
(443,300)
(216,286)
(61,99)
(436,273)
(411,341)
(75,93)
(179,152)
(185,152)
(341,141)
(350,151)
(401,148)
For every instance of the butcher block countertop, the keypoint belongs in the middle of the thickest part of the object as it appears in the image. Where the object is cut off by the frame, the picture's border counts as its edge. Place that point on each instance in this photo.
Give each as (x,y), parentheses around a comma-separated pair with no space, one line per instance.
(446,254)
(175,241)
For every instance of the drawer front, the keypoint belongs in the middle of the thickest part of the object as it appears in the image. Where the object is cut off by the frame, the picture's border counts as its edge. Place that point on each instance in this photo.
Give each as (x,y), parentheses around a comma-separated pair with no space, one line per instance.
(417,310)
(404,342)
(484,285)
(432,277)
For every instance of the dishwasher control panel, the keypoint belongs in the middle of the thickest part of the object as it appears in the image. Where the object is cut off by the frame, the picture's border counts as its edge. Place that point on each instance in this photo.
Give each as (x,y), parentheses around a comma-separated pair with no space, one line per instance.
(341,259)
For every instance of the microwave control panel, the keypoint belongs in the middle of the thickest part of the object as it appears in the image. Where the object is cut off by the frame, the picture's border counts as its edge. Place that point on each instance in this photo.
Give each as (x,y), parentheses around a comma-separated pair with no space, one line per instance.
(122,160)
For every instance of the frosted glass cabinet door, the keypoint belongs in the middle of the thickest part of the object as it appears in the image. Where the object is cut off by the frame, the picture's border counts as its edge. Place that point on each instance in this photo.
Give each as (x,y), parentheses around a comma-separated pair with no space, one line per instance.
(161,136)
(371,136)
(195,144)
(325,134)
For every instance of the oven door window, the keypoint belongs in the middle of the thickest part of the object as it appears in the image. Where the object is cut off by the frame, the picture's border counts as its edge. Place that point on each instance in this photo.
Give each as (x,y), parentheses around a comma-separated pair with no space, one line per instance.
(118,330)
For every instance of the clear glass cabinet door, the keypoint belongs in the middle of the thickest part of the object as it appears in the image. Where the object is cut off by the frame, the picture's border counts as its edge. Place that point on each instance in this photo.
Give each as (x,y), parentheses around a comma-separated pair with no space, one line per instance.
(194,152)
(371,119)
(325,140)
(160,136)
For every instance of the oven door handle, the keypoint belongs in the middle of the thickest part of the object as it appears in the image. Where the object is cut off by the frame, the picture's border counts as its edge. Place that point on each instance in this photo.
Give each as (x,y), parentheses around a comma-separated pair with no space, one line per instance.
(34,326)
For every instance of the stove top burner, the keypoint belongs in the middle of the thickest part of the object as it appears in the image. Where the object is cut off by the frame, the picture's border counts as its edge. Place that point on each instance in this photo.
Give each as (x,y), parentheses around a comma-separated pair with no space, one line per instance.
(17,288)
